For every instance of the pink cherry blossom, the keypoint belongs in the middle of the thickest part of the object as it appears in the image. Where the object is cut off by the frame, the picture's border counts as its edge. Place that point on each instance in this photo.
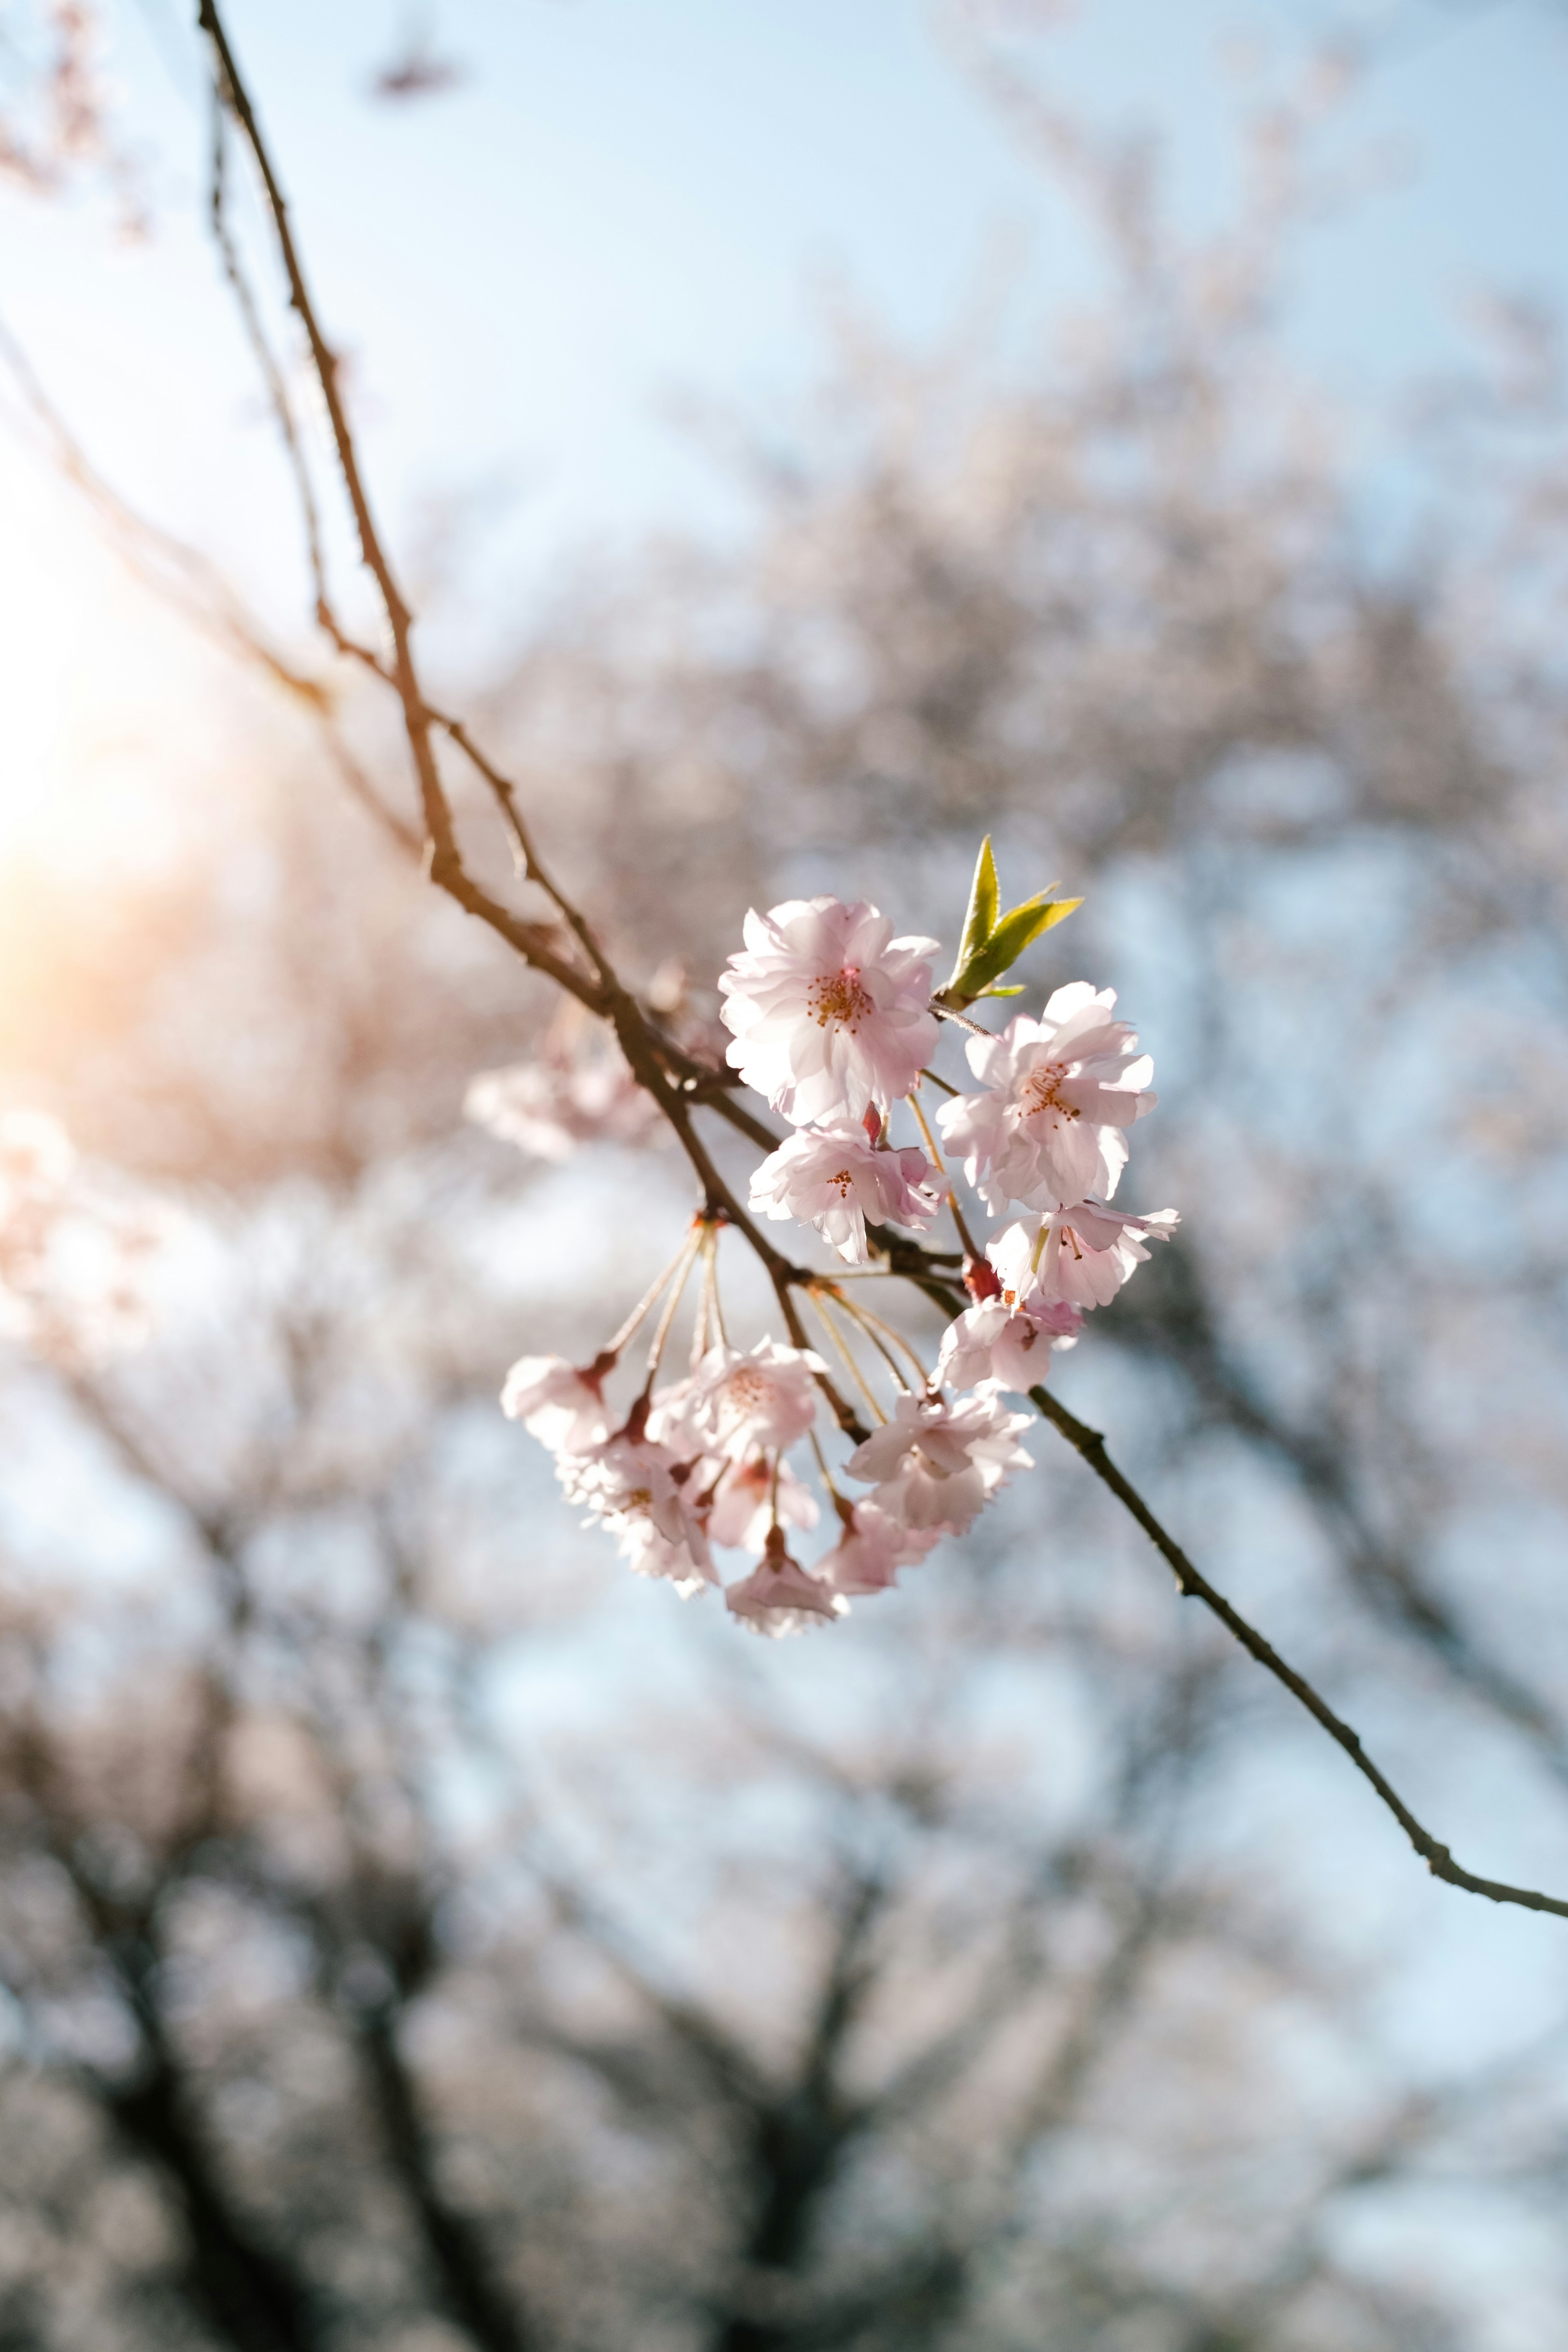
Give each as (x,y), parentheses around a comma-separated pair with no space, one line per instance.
(871,1551)
(745,1500)
(647,1552)
(1059,1092)
(552,1105)
(830,1013)
(993,1341)
(637,1489)
(780,1597)
(834,1177)
(556,1404)
(671,1422)
(936,1464)
(766,1396)
(1086,1253)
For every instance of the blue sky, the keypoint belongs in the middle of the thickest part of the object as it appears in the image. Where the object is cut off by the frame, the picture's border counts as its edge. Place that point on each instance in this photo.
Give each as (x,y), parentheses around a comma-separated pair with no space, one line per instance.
(625,204)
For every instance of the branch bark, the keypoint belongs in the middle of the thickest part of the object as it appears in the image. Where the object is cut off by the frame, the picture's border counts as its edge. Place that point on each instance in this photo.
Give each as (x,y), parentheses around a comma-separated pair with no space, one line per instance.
(605,994)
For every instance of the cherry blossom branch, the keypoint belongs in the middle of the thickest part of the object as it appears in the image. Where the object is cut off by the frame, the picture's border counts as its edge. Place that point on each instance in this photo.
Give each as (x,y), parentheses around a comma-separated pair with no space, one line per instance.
(674,1080)
(1194,1586)
(602,991)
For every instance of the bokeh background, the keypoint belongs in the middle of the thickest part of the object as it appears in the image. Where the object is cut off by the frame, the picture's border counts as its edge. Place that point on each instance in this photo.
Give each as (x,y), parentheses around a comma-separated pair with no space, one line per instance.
(815,435)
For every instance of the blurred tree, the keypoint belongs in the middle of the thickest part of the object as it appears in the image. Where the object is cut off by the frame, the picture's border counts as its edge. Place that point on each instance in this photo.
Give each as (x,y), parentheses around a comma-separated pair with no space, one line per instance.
(417,1938)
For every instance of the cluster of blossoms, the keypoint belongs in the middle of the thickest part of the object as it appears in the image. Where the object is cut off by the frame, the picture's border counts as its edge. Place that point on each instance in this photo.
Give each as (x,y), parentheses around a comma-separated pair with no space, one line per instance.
(834,1021)
(564,1097)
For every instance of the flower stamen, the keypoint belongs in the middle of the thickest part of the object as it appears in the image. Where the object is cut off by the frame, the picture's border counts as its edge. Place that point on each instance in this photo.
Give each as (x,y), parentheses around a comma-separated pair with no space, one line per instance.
(838,998)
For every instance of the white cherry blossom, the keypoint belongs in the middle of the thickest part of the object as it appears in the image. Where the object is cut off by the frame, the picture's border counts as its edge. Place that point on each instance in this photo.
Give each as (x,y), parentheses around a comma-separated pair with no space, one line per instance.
(936,1464)
(1058,1093)
(780,1597)
(830,1013)
(993,1341)
(556,1404)
(1079,1256)
(834,1177)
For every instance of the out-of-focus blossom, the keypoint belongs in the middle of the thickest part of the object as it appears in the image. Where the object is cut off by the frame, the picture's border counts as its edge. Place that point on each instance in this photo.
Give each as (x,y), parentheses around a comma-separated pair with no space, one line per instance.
(550,1106)
(830,1011)
(780,1597)
(766,1396)
(633,1487)
(747,1495)
(556,1404)
(993,1341)
(834,1177)
(936,1464)
(37,1155)
(75,1250)
(1080,1255)
(871,1551)
(1059,1092)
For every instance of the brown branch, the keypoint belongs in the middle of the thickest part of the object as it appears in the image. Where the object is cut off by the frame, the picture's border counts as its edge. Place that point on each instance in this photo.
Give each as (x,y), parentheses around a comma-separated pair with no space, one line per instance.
(649,1057)
(604,992)
(261,351)
(1194,1586)
(1173,1316)
(441,851)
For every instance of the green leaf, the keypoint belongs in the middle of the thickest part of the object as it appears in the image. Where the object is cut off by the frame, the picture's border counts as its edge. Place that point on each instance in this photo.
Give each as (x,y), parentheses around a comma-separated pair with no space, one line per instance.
(1002,992)
(1009,938)
(984,901)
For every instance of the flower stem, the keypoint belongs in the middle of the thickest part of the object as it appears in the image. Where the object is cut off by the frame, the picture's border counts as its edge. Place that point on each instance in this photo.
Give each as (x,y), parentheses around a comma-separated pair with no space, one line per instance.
(964,1235)
(708,1324)
(873,1326)
(914,1103)
(627,1330)
(824,1472)
(850,1365)
(683,1268)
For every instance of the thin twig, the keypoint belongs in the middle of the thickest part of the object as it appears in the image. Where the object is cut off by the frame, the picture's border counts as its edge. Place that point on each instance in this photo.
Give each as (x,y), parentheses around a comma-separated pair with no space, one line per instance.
(1195,1586)
(666,1074)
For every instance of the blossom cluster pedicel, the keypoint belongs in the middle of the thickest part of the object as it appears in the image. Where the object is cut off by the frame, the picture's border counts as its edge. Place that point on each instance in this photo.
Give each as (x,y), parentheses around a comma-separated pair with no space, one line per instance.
(835,1023)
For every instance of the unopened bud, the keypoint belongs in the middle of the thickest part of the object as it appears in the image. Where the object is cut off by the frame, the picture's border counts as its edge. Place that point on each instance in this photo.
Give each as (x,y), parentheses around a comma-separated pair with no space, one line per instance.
(980,1279)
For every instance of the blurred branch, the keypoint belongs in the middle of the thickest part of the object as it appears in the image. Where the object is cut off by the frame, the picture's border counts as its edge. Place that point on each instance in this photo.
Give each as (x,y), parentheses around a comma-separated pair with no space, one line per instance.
(722,2059)
(799,2138)
(244,2286)
(399,1930)
(250,2290)
(469,2287)
(184,578)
